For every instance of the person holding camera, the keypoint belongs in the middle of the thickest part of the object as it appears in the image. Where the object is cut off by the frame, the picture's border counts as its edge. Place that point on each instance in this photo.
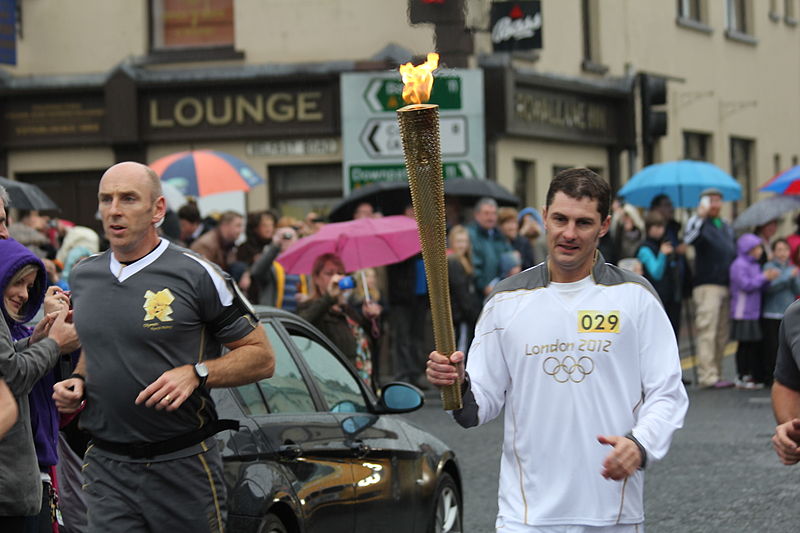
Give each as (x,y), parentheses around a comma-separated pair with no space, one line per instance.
(715,250)
(327,309)
(267,283)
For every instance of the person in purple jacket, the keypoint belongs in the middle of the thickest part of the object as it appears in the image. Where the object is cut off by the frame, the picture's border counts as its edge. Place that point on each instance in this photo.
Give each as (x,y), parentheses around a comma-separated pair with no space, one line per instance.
(746,284)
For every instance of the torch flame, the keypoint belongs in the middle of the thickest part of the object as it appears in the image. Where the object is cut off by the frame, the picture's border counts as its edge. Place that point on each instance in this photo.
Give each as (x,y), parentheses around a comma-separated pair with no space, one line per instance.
(418,81)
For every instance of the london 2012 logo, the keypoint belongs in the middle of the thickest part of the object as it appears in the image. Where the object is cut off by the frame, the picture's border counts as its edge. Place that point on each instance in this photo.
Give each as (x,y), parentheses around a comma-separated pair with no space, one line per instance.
(568,368)
(157,305)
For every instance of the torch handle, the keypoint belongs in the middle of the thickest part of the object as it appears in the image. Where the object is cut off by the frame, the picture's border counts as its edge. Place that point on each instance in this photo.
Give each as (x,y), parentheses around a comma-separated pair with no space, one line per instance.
(419,128)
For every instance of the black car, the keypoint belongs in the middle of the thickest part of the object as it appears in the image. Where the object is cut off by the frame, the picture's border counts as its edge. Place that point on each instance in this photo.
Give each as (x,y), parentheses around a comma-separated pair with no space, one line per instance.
(318,451)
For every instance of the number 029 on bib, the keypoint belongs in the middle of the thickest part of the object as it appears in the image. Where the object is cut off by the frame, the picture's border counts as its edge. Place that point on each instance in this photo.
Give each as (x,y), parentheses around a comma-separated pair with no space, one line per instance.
(598,322)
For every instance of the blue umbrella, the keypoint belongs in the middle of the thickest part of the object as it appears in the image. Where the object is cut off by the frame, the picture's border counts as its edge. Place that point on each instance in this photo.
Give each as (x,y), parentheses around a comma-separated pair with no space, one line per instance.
(682,181)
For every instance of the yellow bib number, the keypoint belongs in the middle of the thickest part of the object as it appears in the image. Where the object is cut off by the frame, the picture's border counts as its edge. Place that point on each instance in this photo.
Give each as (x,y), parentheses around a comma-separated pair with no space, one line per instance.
(598,321)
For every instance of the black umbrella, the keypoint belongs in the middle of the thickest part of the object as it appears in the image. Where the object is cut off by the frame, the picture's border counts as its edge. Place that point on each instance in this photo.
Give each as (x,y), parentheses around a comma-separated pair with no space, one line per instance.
(392,197)
(388,197)
(475,189)
(27,196)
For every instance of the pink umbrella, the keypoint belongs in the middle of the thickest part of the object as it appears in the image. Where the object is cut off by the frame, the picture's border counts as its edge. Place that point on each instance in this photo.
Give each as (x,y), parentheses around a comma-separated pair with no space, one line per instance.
(362,243)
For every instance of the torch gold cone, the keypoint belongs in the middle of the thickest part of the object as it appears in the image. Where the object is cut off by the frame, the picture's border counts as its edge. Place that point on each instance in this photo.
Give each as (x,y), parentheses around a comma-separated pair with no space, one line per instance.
(419,130)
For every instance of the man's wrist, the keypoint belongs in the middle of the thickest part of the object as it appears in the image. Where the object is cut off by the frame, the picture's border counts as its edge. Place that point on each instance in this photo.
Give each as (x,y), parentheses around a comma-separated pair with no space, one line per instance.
(466,385)
(78,376)
(642,451)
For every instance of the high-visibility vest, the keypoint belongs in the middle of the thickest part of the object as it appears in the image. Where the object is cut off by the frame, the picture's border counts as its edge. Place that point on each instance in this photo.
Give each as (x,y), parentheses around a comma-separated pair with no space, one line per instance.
(280,283)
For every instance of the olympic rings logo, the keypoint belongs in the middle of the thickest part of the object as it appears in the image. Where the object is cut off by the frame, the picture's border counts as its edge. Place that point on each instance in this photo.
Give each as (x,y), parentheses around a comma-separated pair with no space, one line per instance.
(568,368)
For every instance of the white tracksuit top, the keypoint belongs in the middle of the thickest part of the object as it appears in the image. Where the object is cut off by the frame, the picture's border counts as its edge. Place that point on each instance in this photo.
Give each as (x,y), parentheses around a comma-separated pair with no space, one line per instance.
(606,363)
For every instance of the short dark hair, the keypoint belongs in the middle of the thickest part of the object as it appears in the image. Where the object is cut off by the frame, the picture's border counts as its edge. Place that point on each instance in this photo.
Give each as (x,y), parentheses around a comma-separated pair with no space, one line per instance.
(654,218)
(581,183)
(190,213)
(657,199)
(778,241)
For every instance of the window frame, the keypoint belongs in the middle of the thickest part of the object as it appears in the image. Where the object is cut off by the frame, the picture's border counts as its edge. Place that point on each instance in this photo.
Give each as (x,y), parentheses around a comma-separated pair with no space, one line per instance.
(707,140)
(590,38)
(748,179)
(790,12)
(739,21)
(694,21)
(185,54)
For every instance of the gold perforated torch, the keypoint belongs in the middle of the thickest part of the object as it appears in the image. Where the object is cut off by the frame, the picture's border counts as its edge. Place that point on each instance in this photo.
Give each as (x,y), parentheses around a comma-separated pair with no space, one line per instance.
(419,130)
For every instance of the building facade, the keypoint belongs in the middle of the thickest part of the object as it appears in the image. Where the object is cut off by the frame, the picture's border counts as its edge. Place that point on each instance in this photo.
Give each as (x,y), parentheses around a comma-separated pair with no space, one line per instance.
(101,81)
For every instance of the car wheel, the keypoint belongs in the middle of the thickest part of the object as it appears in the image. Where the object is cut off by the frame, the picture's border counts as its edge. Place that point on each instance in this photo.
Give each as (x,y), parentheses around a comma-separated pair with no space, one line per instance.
(447,509)
(273,524)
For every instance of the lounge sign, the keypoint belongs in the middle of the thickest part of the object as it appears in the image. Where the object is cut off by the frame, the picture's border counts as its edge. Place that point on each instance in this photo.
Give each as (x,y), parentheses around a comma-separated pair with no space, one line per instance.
(516,26)
(261,113)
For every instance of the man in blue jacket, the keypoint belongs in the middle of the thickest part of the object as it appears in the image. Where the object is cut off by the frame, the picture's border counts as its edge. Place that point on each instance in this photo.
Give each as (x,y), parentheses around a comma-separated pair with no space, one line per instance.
(488,246)
(715,250)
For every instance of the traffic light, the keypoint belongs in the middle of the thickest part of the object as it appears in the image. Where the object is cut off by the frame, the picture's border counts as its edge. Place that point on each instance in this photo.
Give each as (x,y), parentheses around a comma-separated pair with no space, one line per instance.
(653,90)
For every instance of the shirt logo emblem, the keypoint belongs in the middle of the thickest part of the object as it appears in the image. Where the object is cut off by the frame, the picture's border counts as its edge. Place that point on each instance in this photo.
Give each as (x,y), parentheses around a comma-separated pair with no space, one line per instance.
(156,305)
(568,368)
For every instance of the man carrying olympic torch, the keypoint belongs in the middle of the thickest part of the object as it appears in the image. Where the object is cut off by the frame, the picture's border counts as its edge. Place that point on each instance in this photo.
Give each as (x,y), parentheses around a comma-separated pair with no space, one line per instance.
(582,357)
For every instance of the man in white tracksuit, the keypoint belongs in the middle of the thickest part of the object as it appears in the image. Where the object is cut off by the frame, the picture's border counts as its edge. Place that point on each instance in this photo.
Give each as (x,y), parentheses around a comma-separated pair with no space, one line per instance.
(583,358)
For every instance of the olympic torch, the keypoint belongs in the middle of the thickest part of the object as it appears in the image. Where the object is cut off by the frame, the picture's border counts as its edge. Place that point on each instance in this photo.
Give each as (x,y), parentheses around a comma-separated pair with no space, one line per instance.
(419,130)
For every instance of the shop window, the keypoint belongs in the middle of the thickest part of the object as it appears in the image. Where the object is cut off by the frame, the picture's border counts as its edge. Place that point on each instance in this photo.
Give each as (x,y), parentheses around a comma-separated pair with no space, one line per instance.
(696,146)
(590,17)
(190,30)
(742,166)
(739,24)
(296,190)
(693,14)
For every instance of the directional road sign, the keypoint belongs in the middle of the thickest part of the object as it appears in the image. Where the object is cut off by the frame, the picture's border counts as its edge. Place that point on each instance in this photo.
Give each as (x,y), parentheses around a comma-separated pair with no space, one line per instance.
(371,146)
(387,94)
(381,137)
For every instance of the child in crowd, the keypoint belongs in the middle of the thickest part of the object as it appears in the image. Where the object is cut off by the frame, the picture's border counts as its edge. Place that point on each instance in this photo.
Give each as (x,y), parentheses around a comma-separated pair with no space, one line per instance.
(661,267)
(746,283)
(777,297)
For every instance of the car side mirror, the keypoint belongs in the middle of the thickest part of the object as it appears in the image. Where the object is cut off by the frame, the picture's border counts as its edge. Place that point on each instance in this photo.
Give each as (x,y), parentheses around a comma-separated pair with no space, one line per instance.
(401,398)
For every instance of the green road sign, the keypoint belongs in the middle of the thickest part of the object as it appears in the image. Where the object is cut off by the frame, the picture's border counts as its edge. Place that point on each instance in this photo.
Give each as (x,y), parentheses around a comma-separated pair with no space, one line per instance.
(361,175)
(384,94)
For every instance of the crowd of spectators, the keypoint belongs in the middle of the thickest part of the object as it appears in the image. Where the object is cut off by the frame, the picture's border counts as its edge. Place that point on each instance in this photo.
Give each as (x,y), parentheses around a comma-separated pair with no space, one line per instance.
(723,287)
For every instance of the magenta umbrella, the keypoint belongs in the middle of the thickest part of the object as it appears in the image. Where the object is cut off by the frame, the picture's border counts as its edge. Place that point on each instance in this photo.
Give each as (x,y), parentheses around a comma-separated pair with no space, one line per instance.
(361,243)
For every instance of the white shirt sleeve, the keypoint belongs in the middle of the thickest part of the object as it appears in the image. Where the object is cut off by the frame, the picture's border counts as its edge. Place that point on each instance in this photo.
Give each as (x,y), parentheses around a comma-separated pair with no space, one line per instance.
(486,363)
(664,397)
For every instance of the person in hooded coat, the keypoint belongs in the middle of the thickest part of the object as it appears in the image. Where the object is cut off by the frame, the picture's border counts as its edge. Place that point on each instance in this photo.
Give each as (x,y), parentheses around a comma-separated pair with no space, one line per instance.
(747,281)
(23,283)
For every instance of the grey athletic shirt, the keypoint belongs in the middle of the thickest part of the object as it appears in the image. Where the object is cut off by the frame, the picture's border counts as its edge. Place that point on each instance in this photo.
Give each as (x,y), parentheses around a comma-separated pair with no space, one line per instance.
(168,309)
(787,365)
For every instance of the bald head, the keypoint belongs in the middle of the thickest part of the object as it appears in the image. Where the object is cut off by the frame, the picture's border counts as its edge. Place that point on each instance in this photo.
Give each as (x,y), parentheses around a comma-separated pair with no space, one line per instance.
(131,207)
(137,172)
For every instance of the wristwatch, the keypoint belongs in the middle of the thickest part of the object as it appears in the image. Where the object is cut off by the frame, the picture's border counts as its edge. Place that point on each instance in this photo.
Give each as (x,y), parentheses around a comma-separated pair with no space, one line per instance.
(202,373)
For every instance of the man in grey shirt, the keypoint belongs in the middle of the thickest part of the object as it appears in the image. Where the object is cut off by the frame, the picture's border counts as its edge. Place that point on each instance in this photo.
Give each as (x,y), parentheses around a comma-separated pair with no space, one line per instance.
(153,318)
(786,388)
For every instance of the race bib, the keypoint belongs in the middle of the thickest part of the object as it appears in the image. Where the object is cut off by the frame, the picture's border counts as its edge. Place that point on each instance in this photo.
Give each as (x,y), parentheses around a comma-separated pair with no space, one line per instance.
(598,321)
